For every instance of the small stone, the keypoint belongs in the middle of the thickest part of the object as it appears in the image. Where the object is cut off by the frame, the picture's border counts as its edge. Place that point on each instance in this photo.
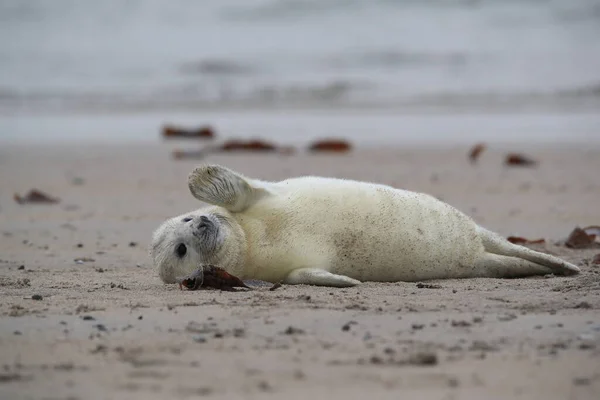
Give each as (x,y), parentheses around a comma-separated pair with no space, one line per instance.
(88,318)
(21,267)
(506,317)
(293,331)
(239,332)
(460,323)
(587,345)
(79,245)
(199,339)
(132,244)
(428,286)
(417,327)
(583,304)
(82,260)
(477,320)
(100,348)
(347,325)
(264,386)
(18,333)
(37,297)
(581,381)
(423,358)
(141,317)
(453,382)
(376,360)
(101,327)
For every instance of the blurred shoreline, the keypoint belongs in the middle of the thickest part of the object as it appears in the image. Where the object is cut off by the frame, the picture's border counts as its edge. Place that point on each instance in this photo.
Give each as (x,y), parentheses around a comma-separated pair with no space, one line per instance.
(364,128)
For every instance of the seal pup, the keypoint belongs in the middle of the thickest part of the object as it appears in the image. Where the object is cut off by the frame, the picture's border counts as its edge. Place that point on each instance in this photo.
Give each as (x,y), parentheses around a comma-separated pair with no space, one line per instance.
(332,232)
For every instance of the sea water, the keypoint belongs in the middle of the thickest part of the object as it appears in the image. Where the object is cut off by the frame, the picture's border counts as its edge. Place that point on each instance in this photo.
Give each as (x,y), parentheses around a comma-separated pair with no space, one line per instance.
(372,70)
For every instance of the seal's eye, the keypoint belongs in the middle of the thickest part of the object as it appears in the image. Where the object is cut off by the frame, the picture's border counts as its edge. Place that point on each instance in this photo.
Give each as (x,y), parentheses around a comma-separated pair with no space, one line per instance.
(187,219)
(181,250)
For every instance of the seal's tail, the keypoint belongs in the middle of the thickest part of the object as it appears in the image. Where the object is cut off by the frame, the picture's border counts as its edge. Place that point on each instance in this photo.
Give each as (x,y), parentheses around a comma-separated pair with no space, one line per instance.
(496,244)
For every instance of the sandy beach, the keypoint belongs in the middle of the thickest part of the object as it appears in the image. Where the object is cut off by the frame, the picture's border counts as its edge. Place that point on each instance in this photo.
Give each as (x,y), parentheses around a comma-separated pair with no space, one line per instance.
(106,327)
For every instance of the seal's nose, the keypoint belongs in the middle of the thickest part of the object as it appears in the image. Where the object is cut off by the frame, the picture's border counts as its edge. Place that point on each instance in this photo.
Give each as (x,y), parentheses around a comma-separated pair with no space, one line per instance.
(204,222)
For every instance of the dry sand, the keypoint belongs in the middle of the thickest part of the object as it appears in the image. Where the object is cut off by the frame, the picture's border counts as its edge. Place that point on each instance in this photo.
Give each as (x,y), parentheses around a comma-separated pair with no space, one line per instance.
(107,328)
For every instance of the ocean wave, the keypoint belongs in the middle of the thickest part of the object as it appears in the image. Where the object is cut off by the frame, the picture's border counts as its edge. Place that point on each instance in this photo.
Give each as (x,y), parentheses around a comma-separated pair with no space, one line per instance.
(334,94)
(218,67)
(394,58)
(277,9)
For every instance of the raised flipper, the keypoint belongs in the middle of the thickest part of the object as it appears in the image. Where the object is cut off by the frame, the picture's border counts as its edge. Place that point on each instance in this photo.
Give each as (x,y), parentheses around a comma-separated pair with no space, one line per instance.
(318,277)
(496,244)
(217,185)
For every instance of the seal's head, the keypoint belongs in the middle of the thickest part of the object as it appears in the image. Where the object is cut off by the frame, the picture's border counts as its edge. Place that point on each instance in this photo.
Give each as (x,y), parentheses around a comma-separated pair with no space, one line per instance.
(206,236)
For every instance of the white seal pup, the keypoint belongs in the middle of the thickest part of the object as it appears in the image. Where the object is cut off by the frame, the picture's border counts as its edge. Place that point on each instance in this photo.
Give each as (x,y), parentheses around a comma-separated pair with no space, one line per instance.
(332,232)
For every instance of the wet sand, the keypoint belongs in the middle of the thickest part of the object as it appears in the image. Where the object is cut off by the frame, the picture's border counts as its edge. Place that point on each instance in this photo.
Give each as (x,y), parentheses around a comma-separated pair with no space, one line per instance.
(106,327)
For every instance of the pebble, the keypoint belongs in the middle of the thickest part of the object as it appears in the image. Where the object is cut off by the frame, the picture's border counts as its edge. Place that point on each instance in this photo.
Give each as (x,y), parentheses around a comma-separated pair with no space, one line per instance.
(293,331)
(37,297)
(199,339)
(423,358)
(347,325)
(583,304)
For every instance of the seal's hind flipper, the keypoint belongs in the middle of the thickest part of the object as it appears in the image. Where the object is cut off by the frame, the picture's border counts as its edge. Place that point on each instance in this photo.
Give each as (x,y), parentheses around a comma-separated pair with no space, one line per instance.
(496,244)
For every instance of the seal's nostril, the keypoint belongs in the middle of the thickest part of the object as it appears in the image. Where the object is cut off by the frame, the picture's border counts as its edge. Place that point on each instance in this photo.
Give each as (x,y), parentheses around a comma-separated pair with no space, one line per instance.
(204,218)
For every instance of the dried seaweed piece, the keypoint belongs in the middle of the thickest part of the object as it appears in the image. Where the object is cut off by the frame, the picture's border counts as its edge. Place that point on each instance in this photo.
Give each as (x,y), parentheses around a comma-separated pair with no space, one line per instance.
(235,145)
(521,240)
(579,239)
(475,152)
(250,145)
(35,197)
(593,231)
(175,132)
(519,160)
(195,154)
(330,145)
(211,276)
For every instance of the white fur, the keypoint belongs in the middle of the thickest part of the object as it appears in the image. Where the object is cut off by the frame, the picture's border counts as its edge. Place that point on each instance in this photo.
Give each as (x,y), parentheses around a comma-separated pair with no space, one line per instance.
(335,232)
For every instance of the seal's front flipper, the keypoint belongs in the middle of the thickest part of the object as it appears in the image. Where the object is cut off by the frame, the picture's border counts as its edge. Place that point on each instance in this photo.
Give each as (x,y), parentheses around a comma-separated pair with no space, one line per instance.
(220,186)
(318,277)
